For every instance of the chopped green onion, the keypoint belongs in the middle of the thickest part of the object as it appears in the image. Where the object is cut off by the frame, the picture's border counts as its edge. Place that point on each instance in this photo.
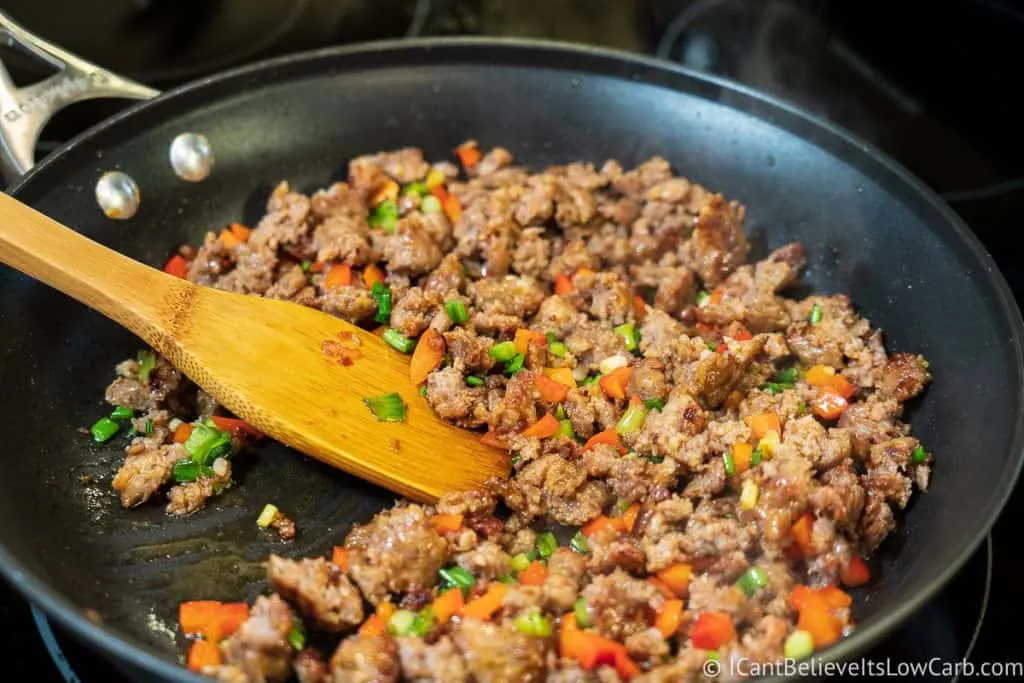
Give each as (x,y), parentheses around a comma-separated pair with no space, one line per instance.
(456,311)
(546,544)
(621,505)
(458,577)
(590,379)
(654,404)
(730,466)
(656,459)
(382,295)
(755,457)
(187,470)
(387,407)
(919,454)
(520,562)
(268,516)
(798,645)
(752,580)
(418,189)
(384,216)
(398,341)
(149,427)
(711,344)
(297,634)
(815,316)
(122,413)
(400,622)
(712,655)
(628,333)
(582,615)
(787,376)
(565,429)
(633,419)
(306,266)
(505,351)
(515,365)
(104,429)
(474,381)
(702,297)
(508,578)
(560,412)
(775,388)
(206,442)
(147,361)
(515,460)
(430,204)
(423,622)
(579,543)
(423,391)
(533,623)
(556,348)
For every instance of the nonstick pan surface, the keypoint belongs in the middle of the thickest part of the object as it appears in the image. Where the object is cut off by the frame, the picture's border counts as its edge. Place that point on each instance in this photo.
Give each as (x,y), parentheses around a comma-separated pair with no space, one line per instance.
(870,230)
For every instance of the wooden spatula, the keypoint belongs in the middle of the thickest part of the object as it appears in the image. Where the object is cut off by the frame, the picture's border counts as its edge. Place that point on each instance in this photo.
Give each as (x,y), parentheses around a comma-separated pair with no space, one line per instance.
(264,360)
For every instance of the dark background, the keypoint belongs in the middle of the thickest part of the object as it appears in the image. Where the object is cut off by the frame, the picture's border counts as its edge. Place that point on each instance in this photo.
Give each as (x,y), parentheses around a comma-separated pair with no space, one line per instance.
(932,83)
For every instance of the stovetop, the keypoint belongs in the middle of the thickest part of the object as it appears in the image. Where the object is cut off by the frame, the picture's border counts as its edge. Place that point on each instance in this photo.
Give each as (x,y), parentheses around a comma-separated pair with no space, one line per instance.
(926,82)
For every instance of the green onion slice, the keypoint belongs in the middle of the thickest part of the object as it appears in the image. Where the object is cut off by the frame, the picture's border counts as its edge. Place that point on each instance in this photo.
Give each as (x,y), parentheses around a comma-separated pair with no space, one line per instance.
(503,352)
(730,466)
(267,516)
(633,419)
(423,622)
(533,623)
(398,341)
(702,296)
(654,404)
(186,470)
(919,454)
(418,189)
(430,204)
(515,365)
(474,381)
(628,333)
(787,376)
(297,634)
(122,413)
(582,615)
(387,407)
(755,457)
(520,562)
(104,430)
(384,216)
(565,429)
(382,295)
(206,443)
(546,544)
(815,316)
(579,543)
(752,580)
(458,578)
(456,311)
(400,622)
(147,361)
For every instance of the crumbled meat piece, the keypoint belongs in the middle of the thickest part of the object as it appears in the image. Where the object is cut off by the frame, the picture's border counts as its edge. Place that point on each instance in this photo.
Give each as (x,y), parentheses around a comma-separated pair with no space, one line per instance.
(469,348)
(453,400)
(903,376)
(619,605)
(447,277)
(360,659)
(675,286)
(284,526)
(466,502)
(573,256)
(350,303)
(396,552)
(486,561)
(410,249)
(260,648)
(411,314)
(554,485)
(532,254)
(404,165)
(510,295)
(438,661)
(648,380)
(494,653)
(605,296)
(184,499)
(319,588)
(289,283)
(146,468)
(717,246)
(310,667)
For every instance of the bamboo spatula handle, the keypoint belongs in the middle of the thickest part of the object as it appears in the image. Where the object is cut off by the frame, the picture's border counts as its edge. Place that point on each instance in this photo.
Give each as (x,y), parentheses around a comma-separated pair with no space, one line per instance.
(138,297)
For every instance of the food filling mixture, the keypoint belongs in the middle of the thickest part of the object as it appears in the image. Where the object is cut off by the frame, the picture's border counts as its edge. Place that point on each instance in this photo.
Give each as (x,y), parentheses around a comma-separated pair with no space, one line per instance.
(700,464)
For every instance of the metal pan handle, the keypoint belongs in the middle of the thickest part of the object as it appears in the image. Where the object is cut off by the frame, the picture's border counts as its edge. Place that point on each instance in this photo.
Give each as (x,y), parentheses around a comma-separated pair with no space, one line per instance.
(24,111)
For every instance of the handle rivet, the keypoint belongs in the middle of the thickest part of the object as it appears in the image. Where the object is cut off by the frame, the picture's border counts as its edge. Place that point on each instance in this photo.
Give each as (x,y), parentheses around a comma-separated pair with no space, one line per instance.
(191,157)
(118,195)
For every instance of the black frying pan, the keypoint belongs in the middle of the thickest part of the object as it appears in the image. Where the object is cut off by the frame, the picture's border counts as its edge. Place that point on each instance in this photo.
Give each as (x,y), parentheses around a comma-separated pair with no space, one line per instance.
(871,230)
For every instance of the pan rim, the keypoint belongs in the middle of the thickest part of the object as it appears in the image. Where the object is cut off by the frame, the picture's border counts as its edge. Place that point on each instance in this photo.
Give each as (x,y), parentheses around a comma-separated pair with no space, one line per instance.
(150,659)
